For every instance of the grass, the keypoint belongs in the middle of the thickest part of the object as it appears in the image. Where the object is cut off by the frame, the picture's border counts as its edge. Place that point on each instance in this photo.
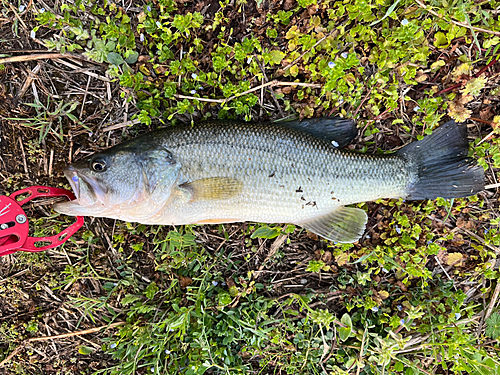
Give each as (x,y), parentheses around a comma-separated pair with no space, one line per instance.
(417,295)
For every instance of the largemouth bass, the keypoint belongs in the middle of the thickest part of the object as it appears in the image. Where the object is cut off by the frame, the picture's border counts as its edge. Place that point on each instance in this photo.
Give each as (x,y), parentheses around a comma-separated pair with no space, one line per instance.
(231,172)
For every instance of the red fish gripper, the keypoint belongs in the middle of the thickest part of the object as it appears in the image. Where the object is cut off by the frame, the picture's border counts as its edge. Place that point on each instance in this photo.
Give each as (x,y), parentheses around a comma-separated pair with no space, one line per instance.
(14,224)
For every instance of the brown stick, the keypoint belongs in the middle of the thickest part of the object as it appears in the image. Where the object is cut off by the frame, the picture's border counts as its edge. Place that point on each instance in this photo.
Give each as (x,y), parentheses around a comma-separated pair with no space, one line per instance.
(41,56)
(77,333)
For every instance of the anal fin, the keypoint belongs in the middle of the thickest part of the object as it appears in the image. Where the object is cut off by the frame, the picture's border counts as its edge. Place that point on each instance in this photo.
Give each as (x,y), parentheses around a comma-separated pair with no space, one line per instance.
(344,225)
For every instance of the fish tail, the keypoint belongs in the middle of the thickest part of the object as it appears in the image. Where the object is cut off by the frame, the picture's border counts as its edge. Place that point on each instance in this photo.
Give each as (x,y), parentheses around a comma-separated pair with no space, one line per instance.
(440,165)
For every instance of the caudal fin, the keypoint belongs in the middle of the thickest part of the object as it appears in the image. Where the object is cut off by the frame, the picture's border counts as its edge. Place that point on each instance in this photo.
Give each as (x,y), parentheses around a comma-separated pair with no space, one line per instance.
(444,170)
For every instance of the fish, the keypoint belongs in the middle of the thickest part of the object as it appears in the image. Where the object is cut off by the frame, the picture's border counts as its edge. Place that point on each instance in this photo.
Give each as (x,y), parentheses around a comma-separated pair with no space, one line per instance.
(223,172)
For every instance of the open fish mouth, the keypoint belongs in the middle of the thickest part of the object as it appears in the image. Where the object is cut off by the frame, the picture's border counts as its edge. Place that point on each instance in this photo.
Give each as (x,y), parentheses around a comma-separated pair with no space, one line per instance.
(86,193)
(73,179)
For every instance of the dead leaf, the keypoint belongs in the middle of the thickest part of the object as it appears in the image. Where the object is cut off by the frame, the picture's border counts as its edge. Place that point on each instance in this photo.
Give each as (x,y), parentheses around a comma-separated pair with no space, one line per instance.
(327,257)
(383,294)
(460,222)
(486,113)
(317,254)
(457,240)
(185,281)
(401,286)
(421,78)
(312,236)
(455,259)
(342,259)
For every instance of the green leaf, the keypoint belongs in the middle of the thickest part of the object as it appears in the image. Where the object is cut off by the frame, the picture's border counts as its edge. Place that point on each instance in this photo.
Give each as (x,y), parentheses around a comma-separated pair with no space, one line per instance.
(315,266)
(277,56)
(85,350)
(346,320)
(132,57)
(440,40)
(493,326)
(115,58)
(151,290)
(345,332)
(266,232)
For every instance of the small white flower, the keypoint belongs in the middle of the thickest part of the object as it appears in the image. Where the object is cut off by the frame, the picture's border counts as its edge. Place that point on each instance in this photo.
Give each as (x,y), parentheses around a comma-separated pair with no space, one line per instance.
(158,23)
(402,321)
(458,316)
(398,229)
(335,144)
(375,309)
(405,22)
(385,270)
(341,101)
(194,75)
(249,60)
(22,8)
(192,92)
(215,283)
(416,108)
(152,369)
(112,346)
(167,352)
(42,10)
(32,34)
(331,65)
(141,37)
(344,55)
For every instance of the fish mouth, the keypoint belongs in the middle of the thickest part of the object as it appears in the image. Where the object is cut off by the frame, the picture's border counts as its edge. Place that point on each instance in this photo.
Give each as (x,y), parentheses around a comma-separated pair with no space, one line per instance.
(72,176)
(86,193)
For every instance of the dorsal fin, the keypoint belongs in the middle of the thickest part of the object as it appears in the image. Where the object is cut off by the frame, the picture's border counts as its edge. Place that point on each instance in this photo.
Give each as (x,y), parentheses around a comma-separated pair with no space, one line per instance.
(332,129)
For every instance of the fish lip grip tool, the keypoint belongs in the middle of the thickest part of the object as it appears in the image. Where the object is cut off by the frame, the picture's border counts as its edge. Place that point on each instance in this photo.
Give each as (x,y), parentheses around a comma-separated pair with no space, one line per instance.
(14,224)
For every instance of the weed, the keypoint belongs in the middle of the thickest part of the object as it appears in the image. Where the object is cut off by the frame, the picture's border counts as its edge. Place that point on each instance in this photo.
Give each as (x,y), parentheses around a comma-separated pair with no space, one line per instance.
(405,299)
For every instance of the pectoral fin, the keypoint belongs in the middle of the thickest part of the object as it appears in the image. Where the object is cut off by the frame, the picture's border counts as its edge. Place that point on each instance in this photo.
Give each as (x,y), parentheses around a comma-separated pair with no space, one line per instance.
(213,188)
(344,225)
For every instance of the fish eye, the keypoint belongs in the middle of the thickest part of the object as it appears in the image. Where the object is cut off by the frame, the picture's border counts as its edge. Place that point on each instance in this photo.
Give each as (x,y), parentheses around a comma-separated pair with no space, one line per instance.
(98,165)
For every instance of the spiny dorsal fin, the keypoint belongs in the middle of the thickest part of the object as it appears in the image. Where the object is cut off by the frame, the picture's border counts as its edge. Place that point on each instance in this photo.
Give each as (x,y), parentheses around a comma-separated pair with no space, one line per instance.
(344,225)
(332,129)
(213,188)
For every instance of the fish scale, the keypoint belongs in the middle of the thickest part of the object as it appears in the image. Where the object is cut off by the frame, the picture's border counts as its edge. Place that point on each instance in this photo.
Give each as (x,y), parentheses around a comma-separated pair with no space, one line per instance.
(305,171)
(219,172)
